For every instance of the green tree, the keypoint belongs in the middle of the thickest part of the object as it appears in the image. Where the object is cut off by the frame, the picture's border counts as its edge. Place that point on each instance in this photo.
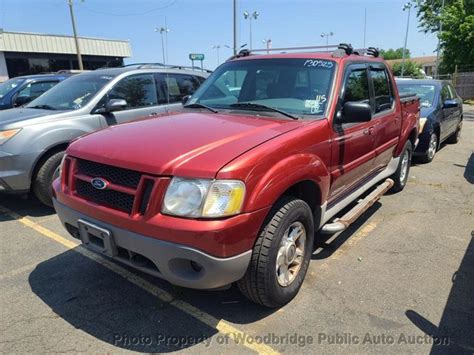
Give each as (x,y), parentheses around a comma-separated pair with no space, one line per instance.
(394,53)
(457,35)
(411,69)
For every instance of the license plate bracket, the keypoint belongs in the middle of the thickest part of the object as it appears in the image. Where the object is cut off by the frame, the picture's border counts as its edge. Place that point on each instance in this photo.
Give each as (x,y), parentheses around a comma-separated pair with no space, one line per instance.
(88,231)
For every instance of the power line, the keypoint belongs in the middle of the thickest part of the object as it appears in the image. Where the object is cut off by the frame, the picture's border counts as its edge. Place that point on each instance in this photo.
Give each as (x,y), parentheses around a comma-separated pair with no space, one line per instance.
(130,14)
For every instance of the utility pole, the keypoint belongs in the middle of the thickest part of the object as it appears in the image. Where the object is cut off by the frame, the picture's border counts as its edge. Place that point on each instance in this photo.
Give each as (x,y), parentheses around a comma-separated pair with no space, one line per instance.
(324,34)
(73,20)
(235,27)
(407,6)
(163,32)
(439,41)
(217,47)
(365,25)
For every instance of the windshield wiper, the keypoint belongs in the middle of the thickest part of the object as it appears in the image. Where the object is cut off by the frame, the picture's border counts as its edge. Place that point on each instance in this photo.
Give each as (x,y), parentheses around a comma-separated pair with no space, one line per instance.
(264,108)
(199,105)
(44,107)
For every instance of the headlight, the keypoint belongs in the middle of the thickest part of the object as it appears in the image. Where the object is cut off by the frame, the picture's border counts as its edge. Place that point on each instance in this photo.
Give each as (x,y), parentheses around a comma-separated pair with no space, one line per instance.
(6,135)
(202,198)
(422,124)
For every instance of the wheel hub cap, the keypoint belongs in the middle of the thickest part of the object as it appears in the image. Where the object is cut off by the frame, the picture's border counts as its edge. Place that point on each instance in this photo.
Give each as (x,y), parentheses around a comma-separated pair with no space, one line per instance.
(291,254)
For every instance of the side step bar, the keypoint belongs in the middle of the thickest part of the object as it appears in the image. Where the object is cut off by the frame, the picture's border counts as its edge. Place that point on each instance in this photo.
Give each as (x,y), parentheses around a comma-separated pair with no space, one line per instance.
(339,224)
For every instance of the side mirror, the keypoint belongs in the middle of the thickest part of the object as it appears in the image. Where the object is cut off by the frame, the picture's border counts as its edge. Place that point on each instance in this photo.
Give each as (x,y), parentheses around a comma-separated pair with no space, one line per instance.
(450,104)
(115,105)
(185,99)
(21,100)
(354,112)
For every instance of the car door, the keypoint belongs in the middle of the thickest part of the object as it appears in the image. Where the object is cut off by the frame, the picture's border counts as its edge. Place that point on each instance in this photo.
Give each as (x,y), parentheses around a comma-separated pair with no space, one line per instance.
(386,121)
(139,91)
(447,120)
(457,110)
(353,151)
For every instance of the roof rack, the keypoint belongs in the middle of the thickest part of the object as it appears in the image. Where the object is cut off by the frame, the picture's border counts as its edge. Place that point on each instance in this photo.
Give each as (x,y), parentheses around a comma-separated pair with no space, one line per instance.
(338,50)
(164,66)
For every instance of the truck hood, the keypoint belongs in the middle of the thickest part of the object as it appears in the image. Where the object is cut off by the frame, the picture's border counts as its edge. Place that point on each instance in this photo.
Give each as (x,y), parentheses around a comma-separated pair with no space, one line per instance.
(18,117)
(185,144)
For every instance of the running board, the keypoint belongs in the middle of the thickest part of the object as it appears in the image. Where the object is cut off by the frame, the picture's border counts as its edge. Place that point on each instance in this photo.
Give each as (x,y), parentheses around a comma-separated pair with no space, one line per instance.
(339,224)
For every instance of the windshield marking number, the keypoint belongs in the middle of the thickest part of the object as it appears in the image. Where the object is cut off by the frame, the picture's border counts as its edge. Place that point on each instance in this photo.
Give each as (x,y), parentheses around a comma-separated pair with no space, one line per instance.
(318,63)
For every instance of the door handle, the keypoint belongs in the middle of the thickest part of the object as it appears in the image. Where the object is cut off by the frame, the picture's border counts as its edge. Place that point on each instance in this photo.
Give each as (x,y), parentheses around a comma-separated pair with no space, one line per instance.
(153,114)
(368,131)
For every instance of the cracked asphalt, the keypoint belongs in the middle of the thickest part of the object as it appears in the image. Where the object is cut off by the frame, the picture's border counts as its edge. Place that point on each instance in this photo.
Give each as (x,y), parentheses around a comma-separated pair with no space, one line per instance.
(401,279)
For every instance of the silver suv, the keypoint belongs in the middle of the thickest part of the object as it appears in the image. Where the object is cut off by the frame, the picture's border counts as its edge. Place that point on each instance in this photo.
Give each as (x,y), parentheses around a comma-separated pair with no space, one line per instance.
(33,138)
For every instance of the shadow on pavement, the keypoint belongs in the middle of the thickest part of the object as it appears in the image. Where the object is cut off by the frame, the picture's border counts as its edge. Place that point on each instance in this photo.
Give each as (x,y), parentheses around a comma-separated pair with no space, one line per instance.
(103,304)
(469,172)
(456,328)
(26,206)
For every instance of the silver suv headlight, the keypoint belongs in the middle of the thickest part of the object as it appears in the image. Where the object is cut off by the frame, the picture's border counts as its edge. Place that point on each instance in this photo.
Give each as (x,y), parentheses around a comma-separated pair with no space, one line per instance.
(203,198)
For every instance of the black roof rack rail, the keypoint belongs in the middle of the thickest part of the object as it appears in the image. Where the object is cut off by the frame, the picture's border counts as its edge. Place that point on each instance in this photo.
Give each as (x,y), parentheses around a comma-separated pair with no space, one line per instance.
(337,50)
(164,66)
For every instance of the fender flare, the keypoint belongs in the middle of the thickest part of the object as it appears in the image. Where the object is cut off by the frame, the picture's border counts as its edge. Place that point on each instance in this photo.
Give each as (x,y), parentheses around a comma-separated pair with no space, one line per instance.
(273,183)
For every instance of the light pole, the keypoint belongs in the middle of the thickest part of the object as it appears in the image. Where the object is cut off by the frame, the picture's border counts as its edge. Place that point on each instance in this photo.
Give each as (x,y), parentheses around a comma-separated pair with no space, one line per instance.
(439,41)
(405,7)
(268,44)
(327,35)
(217,47)
(163,31)
(251,16)
(74,30)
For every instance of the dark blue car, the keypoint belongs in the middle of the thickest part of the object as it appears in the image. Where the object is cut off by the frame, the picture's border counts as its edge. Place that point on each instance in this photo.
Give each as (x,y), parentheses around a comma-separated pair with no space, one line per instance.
(23,89)
(441,114)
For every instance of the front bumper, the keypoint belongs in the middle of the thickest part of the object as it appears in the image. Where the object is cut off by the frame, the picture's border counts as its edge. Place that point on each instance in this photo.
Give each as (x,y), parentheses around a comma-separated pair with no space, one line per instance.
(176,263)
(15,171)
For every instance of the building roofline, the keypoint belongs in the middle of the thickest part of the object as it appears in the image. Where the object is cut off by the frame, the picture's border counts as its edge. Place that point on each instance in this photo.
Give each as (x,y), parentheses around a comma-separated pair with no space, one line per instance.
(66,36)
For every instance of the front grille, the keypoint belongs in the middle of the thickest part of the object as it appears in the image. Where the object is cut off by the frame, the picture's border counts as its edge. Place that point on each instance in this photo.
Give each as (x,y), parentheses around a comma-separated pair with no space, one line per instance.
(115,199)
(119,176)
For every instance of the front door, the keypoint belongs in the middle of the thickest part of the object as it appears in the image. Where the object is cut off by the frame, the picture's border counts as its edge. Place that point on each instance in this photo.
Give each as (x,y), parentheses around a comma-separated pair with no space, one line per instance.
(139,90)
(353,151)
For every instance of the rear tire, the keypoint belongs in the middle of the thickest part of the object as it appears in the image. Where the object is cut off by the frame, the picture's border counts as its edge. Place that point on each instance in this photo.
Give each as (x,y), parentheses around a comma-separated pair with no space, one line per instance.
(47,172)
(281,254)
(432,148)
(400,176)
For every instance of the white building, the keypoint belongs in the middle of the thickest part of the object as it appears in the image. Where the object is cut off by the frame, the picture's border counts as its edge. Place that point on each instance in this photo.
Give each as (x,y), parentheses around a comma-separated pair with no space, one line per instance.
(32,53)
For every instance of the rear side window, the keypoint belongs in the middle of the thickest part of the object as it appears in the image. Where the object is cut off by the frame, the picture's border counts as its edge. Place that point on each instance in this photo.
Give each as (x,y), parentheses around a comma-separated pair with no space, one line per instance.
(357,85)
(382,93)
(138,90)
(176,86)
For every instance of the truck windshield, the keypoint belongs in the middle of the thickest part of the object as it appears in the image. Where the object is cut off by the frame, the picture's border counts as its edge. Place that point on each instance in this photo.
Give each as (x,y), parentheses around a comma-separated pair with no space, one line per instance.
(72,93)
(9,85)
(426,93)
(299,87)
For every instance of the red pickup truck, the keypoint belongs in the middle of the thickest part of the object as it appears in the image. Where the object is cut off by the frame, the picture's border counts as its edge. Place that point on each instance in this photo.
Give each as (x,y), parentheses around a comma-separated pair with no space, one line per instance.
(236,188)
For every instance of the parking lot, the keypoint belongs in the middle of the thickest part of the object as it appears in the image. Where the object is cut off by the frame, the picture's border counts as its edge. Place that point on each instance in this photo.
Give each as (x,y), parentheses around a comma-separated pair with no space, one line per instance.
(399,280)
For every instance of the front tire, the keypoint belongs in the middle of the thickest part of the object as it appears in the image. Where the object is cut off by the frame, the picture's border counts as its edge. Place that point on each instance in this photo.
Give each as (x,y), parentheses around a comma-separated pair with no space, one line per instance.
(47,172)
(400,176)
(432,148)
(281,254)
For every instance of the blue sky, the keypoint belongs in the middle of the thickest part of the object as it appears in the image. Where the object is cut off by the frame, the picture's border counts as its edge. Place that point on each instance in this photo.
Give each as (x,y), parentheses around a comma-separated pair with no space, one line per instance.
(197,25)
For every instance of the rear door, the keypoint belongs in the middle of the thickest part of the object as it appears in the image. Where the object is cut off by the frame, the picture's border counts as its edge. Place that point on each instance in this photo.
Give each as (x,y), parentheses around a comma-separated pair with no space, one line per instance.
(353,152)
(386,121)
(139,90)
(447,117)
(457,112)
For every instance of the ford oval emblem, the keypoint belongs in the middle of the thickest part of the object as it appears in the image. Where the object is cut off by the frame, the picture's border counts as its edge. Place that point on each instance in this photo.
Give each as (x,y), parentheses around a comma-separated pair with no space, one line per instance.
(99,183)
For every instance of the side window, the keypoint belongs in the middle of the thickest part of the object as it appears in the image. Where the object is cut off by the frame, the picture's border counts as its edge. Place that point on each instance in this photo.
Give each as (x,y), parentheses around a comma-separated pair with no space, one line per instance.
(452,92)
(138,90)
(382,92)
(176,86)
(357,85)
(34,90)
(445,94)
